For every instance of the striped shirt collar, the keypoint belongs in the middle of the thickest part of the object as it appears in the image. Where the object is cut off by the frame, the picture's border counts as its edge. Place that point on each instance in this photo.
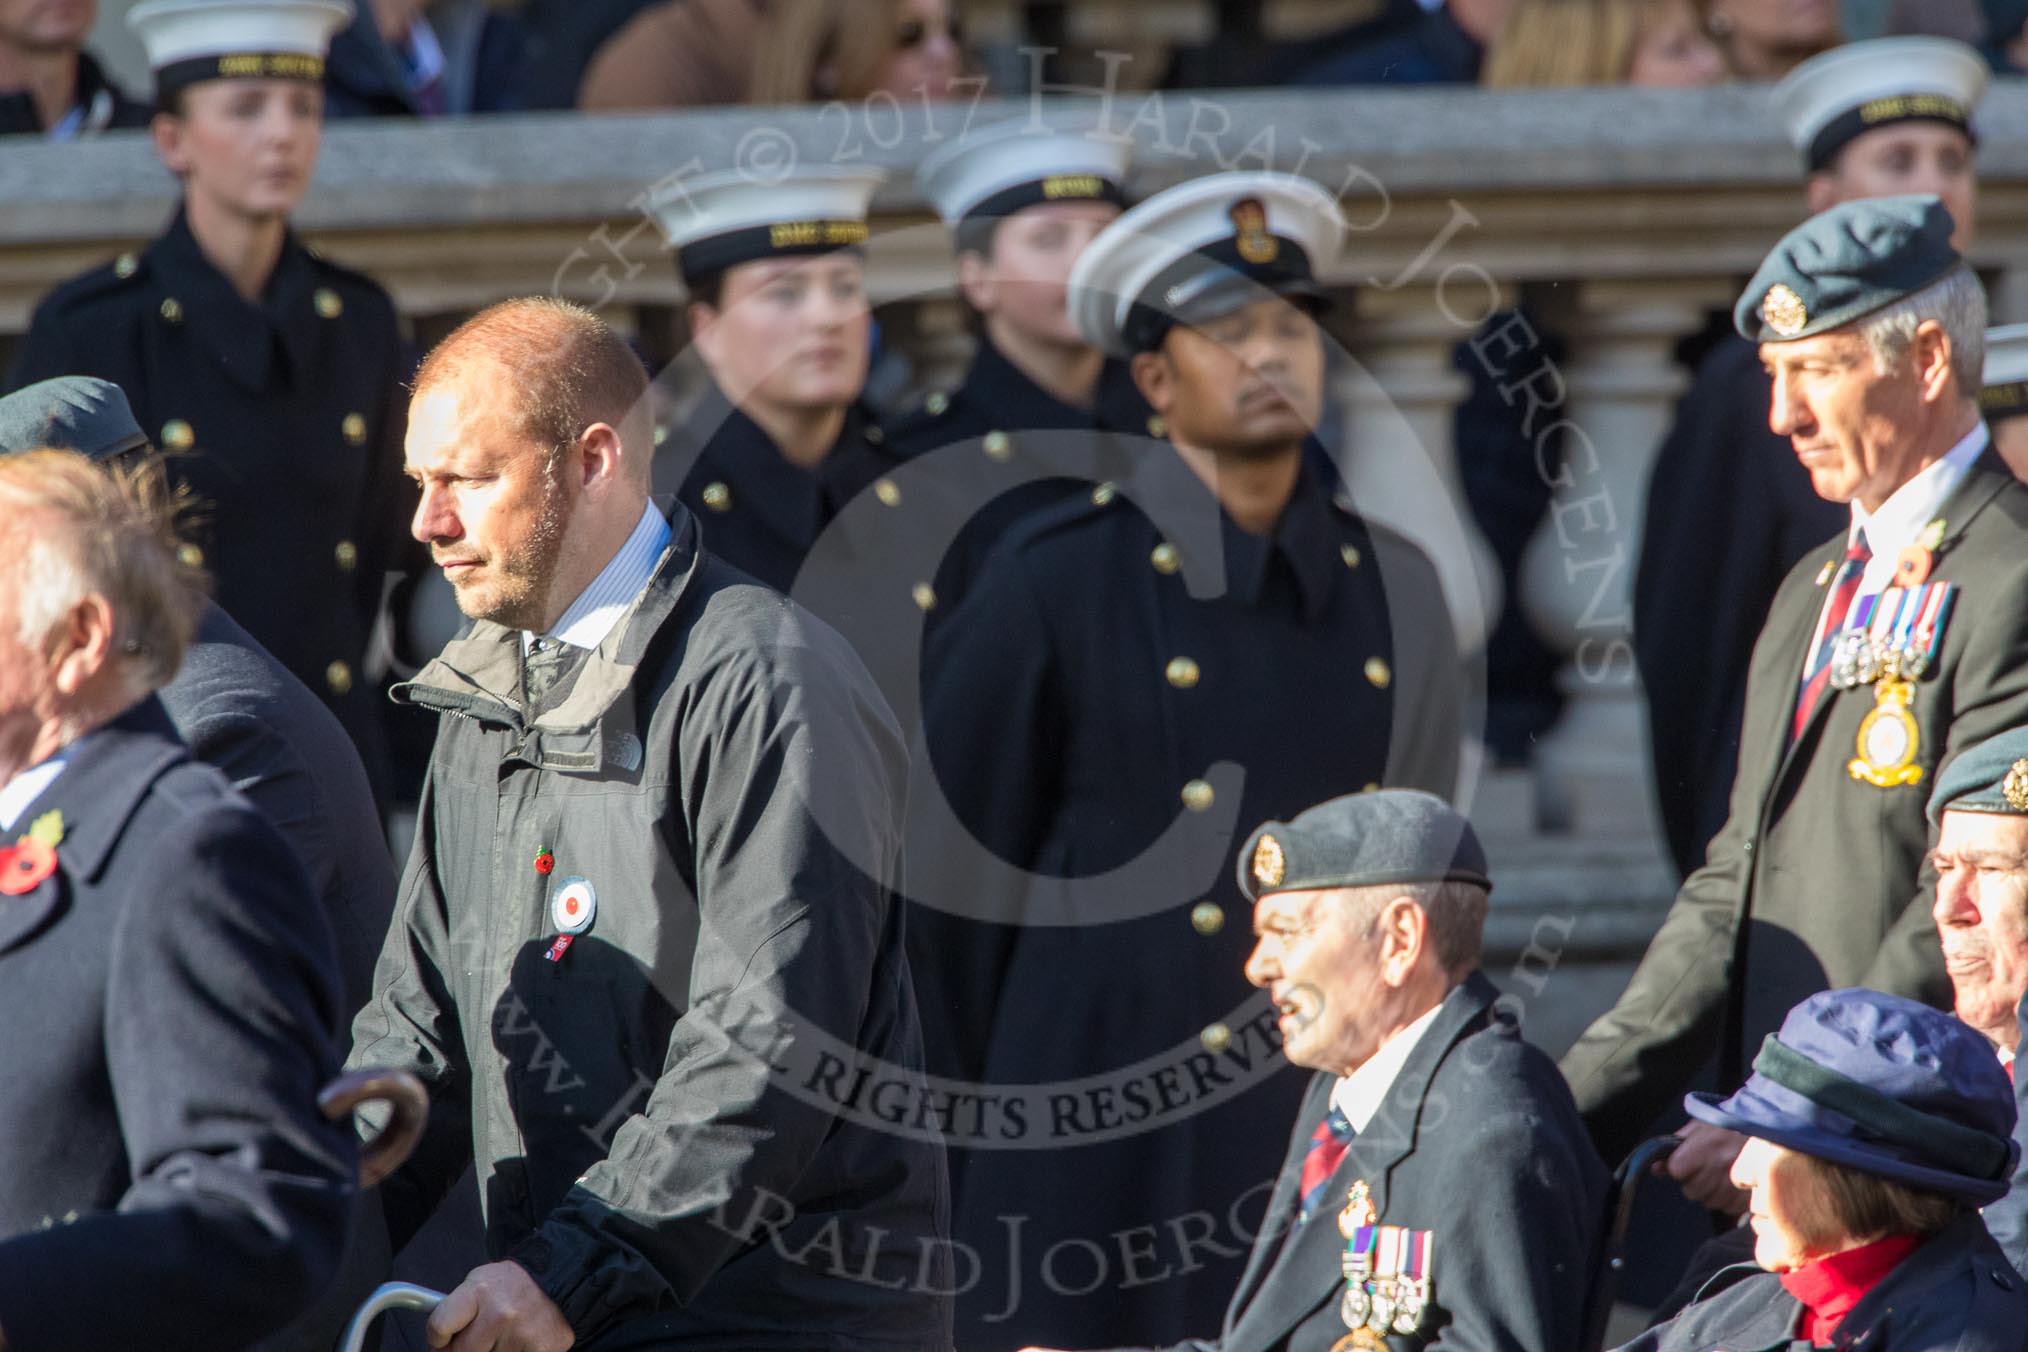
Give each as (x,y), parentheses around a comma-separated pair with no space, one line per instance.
(587,620)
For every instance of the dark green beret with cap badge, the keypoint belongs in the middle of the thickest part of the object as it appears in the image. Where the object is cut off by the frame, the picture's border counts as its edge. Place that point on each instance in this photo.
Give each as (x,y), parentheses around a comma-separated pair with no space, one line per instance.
(1363,840)
(1988,776)
(1844,264)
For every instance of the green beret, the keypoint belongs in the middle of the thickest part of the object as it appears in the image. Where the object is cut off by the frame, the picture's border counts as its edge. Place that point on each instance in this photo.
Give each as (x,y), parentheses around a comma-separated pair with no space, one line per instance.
(1990,776)
(1845,264)
(1363,840)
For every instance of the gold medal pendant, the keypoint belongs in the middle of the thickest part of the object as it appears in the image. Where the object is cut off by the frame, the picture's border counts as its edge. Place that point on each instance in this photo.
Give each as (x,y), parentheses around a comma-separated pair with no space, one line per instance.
(1889,739)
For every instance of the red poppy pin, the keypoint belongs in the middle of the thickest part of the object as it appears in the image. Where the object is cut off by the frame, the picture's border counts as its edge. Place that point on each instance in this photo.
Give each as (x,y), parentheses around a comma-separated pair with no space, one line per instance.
(544,862)
(1911,566)
(27,863)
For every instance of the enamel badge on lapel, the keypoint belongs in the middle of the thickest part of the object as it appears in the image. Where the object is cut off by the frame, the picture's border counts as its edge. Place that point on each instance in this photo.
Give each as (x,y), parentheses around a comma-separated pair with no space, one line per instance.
(572,908)
(1387,1275)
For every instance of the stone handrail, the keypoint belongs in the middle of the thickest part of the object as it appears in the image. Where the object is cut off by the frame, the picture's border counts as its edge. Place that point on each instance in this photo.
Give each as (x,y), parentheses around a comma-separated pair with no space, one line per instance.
(1628,214)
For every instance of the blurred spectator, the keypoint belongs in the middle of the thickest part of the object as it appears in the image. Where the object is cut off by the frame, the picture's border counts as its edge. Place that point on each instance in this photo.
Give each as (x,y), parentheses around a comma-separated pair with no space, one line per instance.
(677,54)
(1547,44)
(808,50)
(1247,60)
(2006,40)
(1964,20)
(562,37)
(1558,43)
(1446,45)
(1766,39)
(412,58)
(696,53)
(49,84)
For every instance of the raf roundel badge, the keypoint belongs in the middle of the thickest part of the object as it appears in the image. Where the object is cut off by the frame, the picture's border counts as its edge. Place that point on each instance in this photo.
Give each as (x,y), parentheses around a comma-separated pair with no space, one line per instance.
(573,906)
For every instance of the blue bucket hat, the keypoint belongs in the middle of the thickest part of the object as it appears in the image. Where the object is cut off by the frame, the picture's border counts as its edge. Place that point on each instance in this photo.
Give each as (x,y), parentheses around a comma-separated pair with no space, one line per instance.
(1884,1085)
(70,413)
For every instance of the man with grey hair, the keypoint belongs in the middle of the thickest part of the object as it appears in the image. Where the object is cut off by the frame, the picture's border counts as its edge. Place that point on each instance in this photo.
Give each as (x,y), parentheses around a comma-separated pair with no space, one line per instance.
(1889,649)
(166,976)
(1438,1191)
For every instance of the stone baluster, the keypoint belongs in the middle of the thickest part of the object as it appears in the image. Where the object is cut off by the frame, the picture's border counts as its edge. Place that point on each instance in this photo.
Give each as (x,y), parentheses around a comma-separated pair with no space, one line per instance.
(1612,402)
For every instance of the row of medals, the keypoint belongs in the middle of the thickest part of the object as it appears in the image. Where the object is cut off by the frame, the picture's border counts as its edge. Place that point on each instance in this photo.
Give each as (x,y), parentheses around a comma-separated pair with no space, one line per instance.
(1398,1304)
(1860,659)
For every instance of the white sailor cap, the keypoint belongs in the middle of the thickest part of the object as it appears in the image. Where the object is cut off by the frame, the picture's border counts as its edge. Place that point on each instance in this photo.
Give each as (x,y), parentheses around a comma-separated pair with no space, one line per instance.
(998,170)
(716,221)
(2005,392)
(1831,98)
(192,40)
(1200,250)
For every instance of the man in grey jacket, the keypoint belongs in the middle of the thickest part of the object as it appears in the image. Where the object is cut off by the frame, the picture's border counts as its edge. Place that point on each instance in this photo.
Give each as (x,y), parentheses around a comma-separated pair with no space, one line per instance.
(645,952)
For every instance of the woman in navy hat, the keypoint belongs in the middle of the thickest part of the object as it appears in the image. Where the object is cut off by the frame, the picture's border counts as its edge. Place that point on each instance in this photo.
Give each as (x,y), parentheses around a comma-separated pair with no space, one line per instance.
(1877,1127)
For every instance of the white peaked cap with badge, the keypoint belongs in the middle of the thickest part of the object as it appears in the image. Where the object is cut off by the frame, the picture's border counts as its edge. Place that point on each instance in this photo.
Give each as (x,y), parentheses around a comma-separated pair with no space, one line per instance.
(1201,249)
(1001,169)
(717,220)
(178,31)
(1849,90)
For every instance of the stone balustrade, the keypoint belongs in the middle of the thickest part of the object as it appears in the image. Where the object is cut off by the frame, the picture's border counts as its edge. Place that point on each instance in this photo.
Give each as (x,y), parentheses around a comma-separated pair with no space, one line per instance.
(1624,217)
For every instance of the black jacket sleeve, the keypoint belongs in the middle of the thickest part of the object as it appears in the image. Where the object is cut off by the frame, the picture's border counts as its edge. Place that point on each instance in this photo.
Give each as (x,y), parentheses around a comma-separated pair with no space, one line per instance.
(221,1013)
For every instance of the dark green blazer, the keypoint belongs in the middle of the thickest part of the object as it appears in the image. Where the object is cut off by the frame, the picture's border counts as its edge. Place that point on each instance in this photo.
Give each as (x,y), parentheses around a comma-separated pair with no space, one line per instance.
(1818,880)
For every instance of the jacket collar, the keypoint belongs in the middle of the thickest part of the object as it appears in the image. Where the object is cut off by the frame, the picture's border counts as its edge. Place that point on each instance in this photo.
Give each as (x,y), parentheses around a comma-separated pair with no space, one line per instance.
(1305,537)
(478,674)
(1306,1271)
(111,769)
(244,337)
(795,503)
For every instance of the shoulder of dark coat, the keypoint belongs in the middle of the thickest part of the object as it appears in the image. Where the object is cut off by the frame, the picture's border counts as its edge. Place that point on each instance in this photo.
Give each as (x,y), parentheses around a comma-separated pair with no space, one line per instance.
(359,291)
(925,424)
(117,284)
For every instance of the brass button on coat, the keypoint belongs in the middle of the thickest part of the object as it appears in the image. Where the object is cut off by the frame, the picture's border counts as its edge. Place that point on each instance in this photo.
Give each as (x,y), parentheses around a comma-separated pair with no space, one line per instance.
(1182,673)
(189,555)
(328,303)
(1165,558)
(936,404)
(1197,795)
(126,265)
(348,556)
(177,435)
(1207,918)
(1103,494)
(172,310)
(354,428)
(888,492)
(1378,672)
(998,446)
(338,676)
(925,596)
(1351,555)
(1216,1038)
(718,497)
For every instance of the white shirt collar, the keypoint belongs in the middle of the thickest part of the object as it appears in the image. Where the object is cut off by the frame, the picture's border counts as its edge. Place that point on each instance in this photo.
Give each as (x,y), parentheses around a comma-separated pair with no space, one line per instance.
(1900,519)
(19,792)
(1359,1094)
(587,620)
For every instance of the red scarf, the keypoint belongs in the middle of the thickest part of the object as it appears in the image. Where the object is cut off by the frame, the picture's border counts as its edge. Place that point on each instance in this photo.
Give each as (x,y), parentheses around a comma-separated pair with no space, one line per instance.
(1830,1287)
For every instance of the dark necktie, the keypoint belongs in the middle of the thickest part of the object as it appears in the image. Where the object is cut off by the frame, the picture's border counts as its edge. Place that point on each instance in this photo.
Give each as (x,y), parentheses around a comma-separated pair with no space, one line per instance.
(1327,1151)
(545,664)
(1817,671)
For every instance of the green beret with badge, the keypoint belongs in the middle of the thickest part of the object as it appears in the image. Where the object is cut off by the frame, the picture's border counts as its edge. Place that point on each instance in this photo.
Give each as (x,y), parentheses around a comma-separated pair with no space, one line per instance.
(1989,776)
(1844,264)
(1378,839)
